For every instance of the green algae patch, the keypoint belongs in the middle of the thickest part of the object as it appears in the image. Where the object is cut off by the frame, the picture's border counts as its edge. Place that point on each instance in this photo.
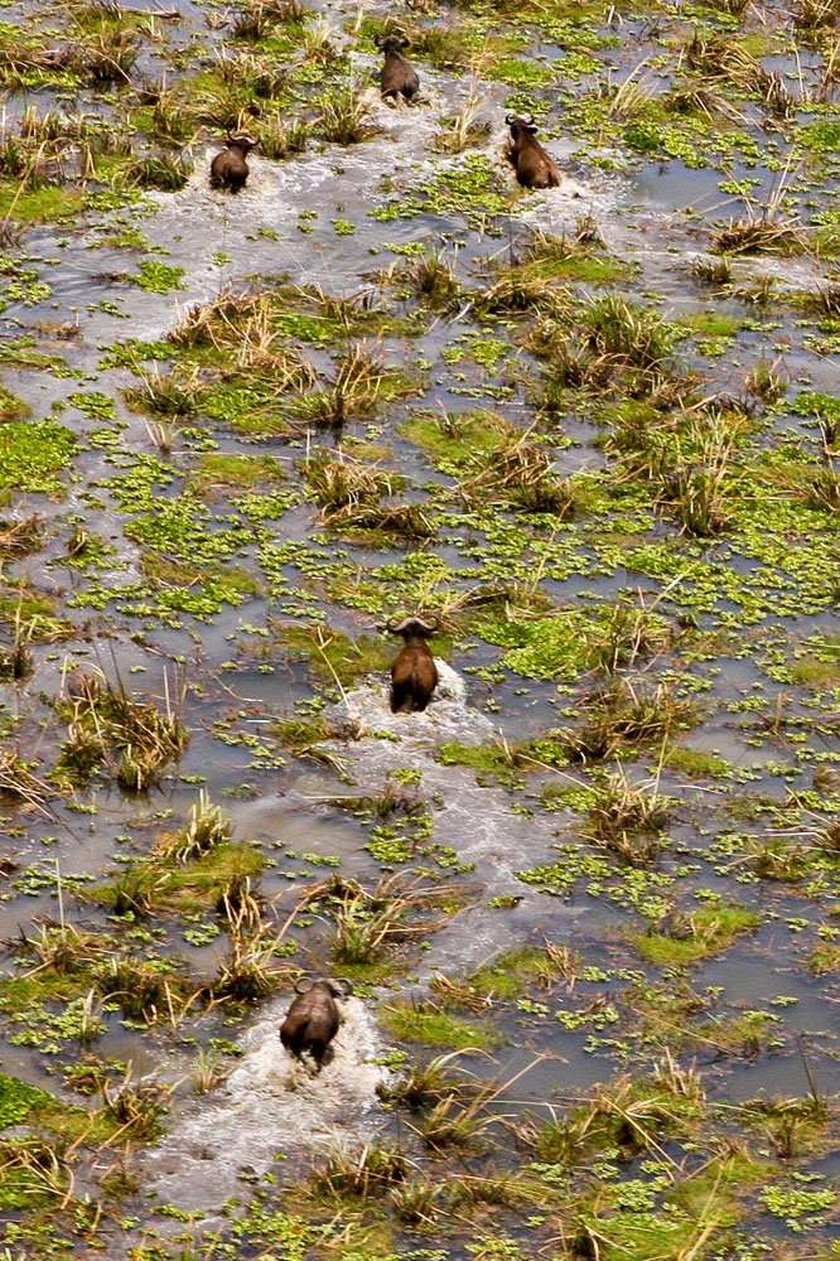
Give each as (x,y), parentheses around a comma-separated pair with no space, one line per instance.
(335,657)
(492,763)
(433,1027)
(18,1099)
(471,188)
(513,973)
(575,641)
(707,932)
(697,762)
(157,277)
(32,454)
(49,204)
(217,473)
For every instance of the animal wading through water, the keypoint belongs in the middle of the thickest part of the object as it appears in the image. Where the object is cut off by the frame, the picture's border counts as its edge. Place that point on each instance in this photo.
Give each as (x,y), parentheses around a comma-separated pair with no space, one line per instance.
(534,167)
(398,78)
(229,168)
(314,1017)
(414,675)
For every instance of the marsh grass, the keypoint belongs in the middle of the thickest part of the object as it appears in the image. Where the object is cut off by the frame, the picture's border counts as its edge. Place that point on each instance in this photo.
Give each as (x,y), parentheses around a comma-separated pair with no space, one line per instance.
(431,278)
(360,385)
(627,819)
(206,827)
(621,716)
(143,989)
(133,740)
(345,115)
(340,482)
(281,137)
(20,784)
(138,1107)
(364,1174)
(518,472)
(165,171)
(715,272)
(256,19)
(368,922)
(172,395)
(760,234)
(250,969)
(463,129)
(426,1084)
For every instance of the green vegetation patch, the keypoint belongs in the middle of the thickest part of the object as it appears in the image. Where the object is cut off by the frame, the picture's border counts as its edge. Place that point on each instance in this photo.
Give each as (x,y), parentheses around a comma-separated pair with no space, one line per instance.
(18,1099)
(434,1027)
(575,641)
(706,932)
(32,454)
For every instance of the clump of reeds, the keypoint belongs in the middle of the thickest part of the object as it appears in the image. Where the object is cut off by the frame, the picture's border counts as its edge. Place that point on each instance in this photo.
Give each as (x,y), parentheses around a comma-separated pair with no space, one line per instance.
(519,472)
(759,234)
(165,171)
(255,19)
(109,729)
(432,278)
(463,129)
(368,921)
(361,382)
(345,116)
(621,715)
(166,394)
(206,827)
(627,819)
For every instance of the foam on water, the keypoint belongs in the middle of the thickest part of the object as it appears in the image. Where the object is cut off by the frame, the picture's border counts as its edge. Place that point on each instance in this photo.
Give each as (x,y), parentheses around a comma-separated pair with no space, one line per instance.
(270,1104)
(479,823)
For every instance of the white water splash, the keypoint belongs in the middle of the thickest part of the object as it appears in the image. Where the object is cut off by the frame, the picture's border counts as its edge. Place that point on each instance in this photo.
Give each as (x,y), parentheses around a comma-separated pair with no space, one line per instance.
(479,823)
(271,1105)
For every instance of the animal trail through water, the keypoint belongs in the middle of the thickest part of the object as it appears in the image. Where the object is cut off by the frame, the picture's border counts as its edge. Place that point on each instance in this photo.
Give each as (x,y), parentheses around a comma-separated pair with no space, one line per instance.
(271,1104)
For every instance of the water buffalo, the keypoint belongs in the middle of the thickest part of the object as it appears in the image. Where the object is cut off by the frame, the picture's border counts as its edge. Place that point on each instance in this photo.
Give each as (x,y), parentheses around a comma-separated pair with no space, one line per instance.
(229,168)
(399,78)
(414,674)
(534,167)
(313,1018)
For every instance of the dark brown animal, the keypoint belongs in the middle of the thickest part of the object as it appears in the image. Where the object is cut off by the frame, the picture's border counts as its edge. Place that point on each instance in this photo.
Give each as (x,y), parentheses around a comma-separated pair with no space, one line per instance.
(399,78)
(229,168)
(313,1018)
(414,674)
(534,167)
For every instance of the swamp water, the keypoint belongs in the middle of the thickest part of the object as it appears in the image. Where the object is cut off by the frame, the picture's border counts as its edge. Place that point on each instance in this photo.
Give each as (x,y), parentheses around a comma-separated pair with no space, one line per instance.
(587,1022)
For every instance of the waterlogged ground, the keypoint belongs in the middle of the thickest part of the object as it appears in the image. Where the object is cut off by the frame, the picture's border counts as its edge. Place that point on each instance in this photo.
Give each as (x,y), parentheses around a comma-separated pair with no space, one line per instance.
(588,900)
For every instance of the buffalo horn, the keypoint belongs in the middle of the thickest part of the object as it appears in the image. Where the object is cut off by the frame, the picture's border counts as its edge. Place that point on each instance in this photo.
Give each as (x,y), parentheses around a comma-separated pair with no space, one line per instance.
(345,983)
(397,630)
(298,984)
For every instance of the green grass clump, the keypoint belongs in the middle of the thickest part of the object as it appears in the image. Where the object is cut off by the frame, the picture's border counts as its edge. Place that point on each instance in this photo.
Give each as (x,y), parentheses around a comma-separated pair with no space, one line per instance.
(49,204)
(513,973)
(32,454)
(707,932)
(434,1027)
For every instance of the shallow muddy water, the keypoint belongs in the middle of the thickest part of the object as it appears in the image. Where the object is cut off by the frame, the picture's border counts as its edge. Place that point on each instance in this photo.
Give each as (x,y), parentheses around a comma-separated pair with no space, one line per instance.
(239,603)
